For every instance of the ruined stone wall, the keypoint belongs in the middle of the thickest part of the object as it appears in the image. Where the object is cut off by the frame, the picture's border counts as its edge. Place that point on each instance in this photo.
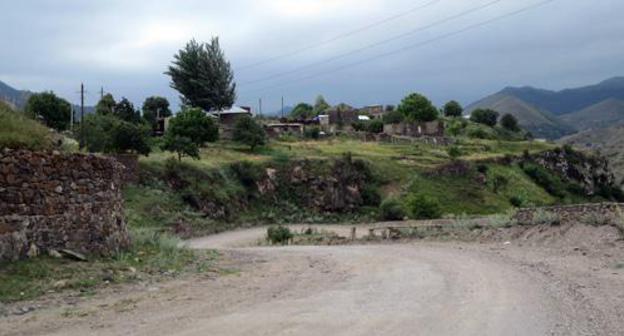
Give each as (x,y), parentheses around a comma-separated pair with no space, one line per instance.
(51,201)
(571,213)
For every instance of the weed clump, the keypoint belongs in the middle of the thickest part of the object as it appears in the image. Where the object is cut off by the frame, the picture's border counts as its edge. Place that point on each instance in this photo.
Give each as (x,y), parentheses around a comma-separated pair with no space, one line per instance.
(392,210)
(279,235)
(423,207)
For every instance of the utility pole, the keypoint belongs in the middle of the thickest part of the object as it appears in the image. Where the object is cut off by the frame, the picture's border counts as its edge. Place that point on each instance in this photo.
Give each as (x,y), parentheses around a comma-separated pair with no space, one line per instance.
(71,118)
(260,106)
(82,92)
(282,106)
(101,92)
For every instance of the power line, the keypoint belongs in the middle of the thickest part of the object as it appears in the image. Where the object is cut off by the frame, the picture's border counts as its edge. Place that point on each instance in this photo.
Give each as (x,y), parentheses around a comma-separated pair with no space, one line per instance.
(376,44)
(412,46)
(341,36)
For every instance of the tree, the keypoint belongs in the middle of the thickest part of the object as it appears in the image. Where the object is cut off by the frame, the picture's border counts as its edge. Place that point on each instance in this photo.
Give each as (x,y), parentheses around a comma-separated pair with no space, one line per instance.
(393,117)
(416,107)
(484,116)
(203,76)
(55,112)
(249,132)
(125,111)
(154,108)
(192,123)
(320,105)
(509,122)
(375,126)
(302,111)
(453,109)
(106,105)
(105,133)
(181,145)
(390,108)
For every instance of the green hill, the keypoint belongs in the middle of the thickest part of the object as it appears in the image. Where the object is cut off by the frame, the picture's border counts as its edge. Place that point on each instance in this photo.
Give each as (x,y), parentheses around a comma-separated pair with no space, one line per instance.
(604,114)
(541,123)
(19,132)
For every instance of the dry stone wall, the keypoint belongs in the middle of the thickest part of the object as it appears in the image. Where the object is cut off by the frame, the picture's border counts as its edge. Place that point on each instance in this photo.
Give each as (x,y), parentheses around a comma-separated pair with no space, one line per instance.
(51,201)
(571,213)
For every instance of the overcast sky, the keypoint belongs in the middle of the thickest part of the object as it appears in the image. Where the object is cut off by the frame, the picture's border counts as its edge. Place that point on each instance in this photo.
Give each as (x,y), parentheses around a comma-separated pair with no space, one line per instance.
(125,46)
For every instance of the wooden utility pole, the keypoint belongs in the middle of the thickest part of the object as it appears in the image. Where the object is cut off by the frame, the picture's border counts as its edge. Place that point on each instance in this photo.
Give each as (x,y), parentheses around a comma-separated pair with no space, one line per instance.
(282,106)
(101,92)
(82,92)
(260,106)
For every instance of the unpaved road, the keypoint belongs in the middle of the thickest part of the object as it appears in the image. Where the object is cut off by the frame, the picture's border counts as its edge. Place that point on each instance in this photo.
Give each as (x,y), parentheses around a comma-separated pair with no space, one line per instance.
(398,289)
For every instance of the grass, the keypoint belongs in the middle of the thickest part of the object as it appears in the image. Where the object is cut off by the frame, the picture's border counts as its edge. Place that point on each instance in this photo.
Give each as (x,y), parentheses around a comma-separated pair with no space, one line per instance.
(19,132)
(153,255)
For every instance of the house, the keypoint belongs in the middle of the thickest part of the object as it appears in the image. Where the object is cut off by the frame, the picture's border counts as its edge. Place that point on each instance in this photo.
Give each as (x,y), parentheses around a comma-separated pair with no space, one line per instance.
(228,117)
(374,111)
(416,129)
(342,114)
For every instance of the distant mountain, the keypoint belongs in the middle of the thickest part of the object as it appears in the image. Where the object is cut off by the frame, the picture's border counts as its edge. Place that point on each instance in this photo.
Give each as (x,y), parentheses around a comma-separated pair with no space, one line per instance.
(16,98)
(541,123)
(569,100)
(607,113)
(610,142)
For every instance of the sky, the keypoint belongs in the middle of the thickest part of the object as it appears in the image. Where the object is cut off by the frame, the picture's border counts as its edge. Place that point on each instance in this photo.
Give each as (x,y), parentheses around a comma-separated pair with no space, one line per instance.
(359,52)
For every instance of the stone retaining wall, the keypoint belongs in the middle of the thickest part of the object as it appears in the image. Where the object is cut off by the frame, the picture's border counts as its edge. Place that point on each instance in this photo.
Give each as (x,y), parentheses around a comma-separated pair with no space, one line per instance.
(571,213)
(51,201)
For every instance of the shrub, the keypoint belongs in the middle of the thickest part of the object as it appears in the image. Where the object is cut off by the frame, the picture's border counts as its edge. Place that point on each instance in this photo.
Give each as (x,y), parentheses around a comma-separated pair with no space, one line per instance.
(109,134)
(509,122)
(312,133)
(544,217)
(279,235)
(55,112)
(247,173)
(516,201)
(454,152)
(247,131)
(375,126)
(484,116)
(370,195)
(181,145)
(482,168)
(499,182)
(423,207)
(193,124)
(545,179)
(391,209)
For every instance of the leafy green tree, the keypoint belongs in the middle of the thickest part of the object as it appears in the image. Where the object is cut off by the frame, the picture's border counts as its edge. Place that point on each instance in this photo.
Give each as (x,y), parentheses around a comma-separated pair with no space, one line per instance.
(55,112)
(390,108)
(509,122)
(154,108)
(181,145)
(453,109)
(194,124)
(203,76)
(375,126)
(320,105)
(105,133)
(106,105)
(303,111)
(416,107)
(125,111)
(484,116)
(249,132)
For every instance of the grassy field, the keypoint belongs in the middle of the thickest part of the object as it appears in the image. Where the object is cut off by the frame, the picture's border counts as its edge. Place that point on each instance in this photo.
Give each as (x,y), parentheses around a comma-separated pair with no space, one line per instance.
(19,132)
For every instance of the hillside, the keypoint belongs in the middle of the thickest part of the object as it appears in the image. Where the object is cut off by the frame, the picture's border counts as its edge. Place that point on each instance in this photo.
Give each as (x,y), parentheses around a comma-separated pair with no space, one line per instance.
(569,100)
(610,141)
(541,123)
(18,131)
(15,98)
(604,114)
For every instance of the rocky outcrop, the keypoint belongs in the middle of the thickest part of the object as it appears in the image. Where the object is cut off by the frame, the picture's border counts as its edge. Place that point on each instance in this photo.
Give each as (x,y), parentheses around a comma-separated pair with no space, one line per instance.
(54,201)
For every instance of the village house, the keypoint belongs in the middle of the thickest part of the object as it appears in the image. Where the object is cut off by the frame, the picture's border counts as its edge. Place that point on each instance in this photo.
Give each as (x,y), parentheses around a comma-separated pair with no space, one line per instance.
(416,129)
(228,117)
(374,111)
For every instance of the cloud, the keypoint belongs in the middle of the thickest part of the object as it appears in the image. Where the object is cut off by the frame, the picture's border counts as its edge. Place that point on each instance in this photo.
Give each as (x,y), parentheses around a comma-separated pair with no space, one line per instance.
(126,46)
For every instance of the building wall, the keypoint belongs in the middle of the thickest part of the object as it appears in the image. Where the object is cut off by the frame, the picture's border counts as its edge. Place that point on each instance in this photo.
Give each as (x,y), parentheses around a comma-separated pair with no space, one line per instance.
(51,201)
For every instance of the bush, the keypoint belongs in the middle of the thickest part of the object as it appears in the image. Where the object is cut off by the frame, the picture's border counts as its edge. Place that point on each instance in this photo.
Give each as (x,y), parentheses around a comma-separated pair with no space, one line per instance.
(453,109)
(312,133)
(454,152)
(109,134)
(247,173)
(392,209)
(544,217)
(181,145)
(509,122)
(279,235)
(423,207)
(516,201)
(370,195)
(247,131)
(375,126)
(55,112)
(545,179)
(484,116)
(193,124)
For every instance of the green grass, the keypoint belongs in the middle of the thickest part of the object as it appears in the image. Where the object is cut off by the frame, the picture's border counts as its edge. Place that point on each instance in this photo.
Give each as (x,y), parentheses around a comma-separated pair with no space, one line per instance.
(19,132)
(151,255)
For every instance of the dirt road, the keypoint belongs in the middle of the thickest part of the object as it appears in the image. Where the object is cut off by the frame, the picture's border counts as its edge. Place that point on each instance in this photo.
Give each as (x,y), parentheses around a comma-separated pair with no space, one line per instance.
(399,289)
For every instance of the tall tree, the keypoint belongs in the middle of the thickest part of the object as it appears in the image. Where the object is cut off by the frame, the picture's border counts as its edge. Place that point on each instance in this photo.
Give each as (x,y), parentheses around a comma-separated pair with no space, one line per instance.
(416,107)
(320,105)
(154,108)
(484,116)
(54,111)
(509,122)
(203,76)
(106,105)
(124,110)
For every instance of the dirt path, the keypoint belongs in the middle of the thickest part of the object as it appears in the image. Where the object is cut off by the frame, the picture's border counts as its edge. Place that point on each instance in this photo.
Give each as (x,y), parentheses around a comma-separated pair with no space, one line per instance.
(401,289)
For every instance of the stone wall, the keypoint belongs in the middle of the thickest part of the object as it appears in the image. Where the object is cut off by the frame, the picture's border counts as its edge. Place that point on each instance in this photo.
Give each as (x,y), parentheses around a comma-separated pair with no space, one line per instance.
(571,213)
(51,201)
